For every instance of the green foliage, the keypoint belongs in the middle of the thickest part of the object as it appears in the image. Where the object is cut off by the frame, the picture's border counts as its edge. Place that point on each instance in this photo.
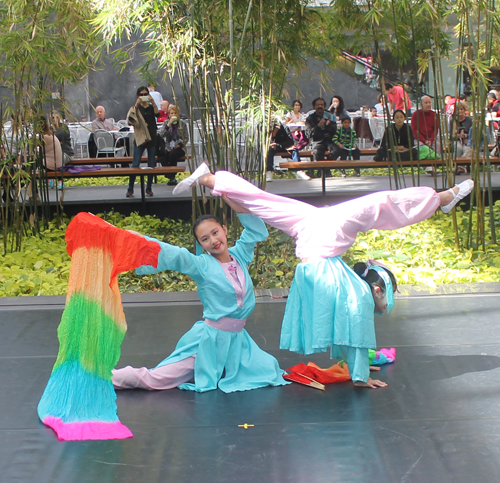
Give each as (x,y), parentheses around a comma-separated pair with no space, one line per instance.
(43,44)
(419,254)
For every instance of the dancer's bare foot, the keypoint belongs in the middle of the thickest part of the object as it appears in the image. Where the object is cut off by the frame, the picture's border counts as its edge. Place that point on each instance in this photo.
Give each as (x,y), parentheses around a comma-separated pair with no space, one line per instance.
(207,180)
(451,197)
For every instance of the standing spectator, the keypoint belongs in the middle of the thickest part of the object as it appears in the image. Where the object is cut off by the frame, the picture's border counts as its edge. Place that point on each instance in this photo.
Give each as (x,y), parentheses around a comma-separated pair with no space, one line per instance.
(175,134)
(157,97)
(163,111)
(142,115)
(61,132)
(397,98)
(321,126)
(101,122)
(425,125)
(337,107)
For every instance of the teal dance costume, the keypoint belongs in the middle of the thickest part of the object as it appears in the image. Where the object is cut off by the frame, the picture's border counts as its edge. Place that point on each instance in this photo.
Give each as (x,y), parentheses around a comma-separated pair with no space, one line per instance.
(223,356)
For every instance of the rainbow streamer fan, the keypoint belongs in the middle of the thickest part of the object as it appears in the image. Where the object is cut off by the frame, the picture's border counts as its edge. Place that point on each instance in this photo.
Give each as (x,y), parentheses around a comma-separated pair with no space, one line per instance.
(79,402)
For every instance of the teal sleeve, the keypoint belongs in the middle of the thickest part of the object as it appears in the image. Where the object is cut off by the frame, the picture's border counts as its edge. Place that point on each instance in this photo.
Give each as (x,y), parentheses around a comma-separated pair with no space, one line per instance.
(172,257)
(254,231)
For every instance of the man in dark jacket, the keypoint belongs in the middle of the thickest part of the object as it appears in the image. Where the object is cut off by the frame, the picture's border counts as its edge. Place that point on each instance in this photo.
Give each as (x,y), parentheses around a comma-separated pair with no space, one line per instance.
(321,126)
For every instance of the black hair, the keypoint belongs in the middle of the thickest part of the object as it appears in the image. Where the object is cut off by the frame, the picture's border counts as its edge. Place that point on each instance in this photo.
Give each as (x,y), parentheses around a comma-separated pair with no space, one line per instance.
(142,88)
(401,111)
(372,277)
(388,86)
(316,100)
(296,100)
(344,118)
(340,108)
(203,218)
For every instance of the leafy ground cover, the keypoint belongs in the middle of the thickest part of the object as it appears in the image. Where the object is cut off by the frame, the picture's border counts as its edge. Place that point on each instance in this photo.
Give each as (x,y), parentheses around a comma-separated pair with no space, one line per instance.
(420,254)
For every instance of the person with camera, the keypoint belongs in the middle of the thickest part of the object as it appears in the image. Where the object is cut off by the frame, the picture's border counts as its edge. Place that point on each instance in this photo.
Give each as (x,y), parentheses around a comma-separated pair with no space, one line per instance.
(142,115)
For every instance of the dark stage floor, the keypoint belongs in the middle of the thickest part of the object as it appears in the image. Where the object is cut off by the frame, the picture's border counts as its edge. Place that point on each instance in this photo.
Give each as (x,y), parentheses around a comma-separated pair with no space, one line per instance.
(437,421)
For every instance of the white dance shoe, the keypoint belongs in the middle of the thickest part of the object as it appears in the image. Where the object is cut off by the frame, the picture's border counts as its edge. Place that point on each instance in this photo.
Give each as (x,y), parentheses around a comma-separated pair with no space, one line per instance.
(188,182)
(464,189)
(302,175)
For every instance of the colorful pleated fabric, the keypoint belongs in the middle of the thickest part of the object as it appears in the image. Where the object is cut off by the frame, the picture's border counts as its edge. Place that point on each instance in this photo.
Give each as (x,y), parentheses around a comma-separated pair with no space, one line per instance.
(79,402)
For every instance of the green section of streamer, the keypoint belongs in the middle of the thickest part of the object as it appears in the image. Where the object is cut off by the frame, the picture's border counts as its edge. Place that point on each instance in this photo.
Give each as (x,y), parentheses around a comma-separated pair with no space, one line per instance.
(87,335)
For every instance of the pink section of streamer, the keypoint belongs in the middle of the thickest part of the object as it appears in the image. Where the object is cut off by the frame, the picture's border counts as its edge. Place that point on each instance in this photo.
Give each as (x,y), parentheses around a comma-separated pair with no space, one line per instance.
(90,430)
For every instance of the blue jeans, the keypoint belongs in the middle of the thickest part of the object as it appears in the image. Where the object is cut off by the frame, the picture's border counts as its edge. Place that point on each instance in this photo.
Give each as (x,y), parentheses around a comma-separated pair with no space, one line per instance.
(272,152)
(136,161)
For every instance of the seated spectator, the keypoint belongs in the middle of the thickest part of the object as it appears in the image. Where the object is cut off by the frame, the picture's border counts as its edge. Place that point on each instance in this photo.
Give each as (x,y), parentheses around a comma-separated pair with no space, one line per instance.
(400,135)
(163,111)
(459,130)
(174,134)
(345,143)
(337,107)
(11,139)
(321,126)
(493,108)
(449,105)
(381,110)
(425,125)
(61,132)
(292,118)
(397,98)
(295,116)
(101,122)
(52,147)
(281,141)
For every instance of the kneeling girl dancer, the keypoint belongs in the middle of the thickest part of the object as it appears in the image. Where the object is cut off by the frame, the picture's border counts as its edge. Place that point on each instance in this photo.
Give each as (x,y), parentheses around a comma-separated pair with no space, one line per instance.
(330,305)
(217,351)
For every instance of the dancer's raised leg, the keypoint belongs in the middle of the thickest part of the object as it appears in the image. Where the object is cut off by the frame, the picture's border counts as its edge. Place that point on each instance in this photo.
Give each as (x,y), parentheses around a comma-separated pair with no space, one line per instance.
(278,211)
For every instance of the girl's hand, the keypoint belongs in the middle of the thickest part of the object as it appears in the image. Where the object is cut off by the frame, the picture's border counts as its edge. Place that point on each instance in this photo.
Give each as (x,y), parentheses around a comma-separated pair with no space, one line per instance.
(371,383)
(374,368)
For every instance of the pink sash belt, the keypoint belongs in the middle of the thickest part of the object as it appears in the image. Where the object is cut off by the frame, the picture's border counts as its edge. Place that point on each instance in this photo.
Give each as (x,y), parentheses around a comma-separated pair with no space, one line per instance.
(227,324)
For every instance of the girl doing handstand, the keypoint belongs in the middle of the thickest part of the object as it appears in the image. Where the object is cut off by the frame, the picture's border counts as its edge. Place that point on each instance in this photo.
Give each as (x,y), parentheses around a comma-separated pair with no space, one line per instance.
(329,305)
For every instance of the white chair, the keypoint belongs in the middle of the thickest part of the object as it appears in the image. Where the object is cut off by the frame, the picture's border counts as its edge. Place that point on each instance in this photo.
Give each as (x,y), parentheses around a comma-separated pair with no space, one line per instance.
(122,123)
(80,137)
(377,128)
(106,144)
